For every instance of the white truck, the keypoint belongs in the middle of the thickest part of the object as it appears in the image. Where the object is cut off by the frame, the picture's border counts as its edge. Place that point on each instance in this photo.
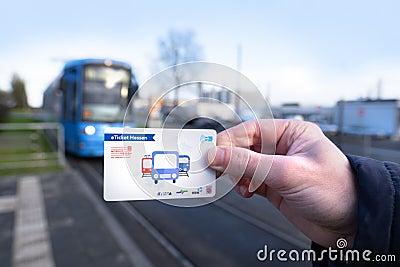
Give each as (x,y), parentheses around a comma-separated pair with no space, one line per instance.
(378,117)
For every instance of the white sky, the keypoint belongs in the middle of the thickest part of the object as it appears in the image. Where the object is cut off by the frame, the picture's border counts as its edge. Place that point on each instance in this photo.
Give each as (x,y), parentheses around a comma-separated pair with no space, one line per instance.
(312,52)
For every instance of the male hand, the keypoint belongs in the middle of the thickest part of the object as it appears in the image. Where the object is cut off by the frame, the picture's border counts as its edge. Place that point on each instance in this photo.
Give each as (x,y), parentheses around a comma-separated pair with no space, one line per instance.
(309,180)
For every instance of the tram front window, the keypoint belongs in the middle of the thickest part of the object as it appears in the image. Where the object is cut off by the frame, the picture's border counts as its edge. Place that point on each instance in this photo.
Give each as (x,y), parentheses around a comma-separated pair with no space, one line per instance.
(105,93)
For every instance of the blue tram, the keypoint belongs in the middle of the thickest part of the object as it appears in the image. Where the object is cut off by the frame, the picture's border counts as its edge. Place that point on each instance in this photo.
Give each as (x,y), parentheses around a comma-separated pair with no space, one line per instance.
(88,96)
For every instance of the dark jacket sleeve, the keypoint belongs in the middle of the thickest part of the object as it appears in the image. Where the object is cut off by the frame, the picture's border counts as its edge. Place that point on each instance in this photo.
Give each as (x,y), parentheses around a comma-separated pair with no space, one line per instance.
(378,211)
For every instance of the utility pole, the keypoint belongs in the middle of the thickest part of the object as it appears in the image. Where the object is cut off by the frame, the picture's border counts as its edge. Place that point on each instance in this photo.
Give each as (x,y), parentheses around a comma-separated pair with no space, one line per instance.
(239,68)
(340,105)
(268,93)
(239,57)
(379,89)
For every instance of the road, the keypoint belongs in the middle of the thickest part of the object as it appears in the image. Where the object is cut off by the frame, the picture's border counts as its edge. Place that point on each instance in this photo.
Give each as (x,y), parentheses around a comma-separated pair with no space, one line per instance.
(228,232)
(380,149)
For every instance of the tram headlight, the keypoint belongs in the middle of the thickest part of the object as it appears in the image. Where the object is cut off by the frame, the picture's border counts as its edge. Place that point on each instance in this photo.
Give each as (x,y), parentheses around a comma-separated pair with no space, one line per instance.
(90,130)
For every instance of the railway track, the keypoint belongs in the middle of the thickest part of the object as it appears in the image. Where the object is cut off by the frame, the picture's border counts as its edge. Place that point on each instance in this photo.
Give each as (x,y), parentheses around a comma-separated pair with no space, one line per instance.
(229,231)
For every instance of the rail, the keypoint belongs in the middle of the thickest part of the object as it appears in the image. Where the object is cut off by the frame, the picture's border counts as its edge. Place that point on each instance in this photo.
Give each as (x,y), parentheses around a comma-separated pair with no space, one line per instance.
(21,145)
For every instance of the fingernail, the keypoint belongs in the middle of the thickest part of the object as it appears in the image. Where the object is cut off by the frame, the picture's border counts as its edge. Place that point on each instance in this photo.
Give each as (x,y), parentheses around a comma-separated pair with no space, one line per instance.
(215,158)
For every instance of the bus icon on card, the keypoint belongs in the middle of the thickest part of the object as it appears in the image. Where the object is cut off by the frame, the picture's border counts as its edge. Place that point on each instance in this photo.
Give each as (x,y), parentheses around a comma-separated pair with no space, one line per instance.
(161,165)
(165,166)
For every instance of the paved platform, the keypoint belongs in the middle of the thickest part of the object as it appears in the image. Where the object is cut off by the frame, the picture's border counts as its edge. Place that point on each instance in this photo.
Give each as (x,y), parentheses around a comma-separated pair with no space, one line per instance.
(53,220)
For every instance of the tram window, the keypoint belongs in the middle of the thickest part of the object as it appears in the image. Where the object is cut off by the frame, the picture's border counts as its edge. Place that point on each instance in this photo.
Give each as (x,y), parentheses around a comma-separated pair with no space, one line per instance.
(147,163)
(68,87)
(65,98)
(73,106)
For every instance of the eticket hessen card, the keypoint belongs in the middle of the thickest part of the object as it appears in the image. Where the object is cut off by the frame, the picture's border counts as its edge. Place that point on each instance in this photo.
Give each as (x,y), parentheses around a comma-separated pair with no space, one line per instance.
(152,163)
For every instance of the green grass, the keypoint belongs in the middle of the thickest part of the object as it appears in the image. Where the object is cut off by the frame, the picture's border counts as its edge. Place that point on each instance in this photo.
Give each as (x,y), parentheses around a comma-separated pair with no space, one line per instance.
(20,116)
(29,171)
(24,151)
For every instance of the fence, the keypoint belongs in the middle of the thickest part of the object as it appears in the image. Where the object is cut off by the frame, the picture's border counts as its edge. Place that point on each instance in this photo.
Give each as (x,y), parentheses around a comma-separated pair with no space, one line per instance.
(26,145)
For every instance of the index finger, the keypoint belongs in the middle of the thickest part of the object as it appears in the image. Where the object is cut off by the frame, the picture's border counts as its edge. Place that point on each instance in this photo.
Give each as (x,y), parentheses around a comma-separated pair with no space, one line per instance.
(259,133)
(251,133)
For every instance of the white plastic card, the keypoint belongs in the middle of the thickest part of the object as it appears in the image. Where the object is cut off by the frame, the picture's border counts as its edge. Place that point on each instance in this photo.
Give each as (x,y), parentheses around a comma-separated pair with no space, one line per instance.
(152,163)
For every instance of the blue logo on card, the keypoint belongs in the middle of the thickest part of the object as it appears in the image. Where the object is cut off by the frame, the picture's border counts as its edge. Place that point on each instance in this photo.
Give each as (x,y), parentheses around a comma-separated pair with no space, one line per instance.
(129,137)
(206,138)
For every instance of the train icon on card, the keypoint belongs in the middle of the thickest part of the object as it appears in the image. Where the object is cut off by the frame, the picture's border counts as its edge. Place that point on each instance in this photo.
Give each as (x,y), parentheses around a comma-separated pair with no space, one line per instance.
(165,165)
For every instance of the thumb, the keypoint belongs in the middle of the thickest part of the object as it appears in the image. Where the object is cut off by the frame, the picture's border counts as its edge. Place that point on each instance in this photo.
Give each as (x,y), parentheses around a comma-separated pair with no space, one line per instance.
(239,163)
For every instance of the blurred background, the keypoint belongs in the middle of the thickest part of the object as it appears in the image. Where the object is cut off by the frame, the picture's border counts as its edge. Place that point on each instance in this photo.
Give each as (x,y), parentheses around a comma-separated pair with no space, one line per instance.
(69,69)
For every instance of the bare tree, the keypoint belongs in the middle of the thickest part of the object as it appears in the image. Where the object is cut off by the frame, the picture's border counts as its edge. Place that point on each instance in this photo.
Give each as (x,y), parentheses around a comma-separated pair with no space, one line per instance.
(176,48)
(18,92)
(179,47)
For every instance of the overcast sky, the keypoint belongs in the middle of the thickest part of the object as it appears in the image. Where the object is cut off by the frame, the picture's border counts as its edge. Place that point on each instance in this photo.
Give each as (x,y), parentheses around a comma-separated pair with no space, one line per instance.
(312,52)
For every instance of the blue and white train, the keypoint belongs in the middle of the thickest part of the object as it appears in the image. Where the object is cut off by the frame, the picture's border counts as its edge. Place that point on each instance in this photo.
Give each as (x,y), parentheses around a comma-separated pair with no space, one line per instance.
(88,96)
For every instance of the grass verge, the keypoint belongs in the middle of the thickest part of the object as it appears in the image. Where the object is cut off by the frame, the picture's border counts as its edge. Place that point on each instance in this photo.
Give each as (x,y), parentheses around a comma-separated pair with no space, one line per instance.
(26,151)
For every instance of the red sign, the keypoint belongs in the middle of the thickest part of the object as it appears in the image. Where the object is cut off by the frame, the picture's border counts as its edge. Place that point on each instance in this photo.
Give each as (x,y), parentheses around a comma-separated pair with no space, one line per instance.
(361,112)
